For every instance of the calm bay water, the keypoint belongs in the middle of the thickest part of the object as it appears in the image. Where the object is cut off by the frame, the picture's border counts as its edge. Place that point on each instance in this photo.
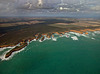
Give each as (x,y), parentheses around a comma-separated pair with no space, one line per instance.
(64,56)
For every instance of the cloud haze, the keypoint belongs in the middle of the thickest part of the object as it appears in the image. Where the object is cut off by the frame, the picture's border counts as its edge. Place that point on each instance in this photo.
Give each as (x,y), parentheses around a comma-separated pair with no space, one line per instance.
(13,7)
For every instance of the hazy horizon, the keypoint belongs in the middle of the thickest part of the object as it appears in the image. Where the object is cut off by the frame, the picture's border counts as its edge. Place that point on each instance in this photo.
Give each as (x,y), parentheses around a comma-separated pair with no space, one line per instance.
(29,7)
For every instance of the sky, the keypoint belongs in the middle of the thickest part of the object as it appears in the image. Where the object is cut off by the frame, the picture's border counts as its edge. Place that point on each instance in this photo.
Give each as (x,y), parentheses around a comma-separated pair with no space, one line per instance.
(11,7)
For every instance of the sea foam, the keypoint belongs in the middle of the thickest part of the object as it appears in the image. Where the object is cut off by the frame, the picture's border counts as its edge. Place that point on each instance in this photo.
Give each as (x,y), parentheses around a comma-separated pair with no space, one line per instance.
(74,38)
(77,34)
(2,57)
(93,38)
(73,35)
(54,39)
(97,32)
(2,49)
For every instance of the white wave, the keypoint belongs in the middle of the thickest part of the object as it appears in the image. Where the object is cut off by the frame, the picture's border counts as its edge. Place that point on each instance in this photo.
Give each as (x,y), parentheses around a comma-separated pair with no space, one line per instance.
(74,38)
(44,38)
(62,36)
(97,32)
(48,38)
(84,35)
(93,38)
(1,49)
(72,32)
(2,57)
(77,34)
(28,42)
(67,36)
(66,33)
(73,35)
(33,40)
(93,34)
(54,39)
(40,41)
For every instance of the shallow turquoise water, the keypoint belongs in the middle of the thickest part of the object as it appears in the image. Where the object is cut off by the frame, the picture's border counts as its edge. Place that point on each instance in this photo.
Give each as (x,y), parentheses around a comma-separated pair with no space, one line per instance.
(65,56)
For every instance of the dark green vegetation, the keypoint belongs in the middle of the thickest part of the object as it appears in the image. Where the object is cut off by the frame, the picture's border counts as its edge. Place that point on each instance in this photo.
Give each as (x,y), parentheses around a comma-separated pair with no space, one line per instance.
(13,30)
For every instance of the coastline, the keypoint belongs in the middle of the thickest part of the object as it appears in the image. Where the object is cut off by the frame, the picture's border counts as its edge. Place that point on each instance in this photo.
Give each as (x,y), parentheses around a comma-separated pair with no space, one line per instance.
(40,29)
(48,35)
(41,38)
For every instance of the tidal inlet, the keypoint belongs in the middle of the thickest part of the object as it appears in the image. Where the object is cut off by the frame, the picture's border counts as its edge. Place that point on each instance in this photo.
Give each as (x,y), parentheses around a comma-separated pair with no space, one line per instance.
(49,37)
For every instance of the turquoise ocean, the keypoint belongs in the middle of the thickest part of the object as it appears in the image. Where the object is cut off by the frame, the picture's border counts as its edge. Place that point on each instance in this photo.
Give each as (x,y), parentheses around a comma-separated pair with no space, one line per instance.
(61,56)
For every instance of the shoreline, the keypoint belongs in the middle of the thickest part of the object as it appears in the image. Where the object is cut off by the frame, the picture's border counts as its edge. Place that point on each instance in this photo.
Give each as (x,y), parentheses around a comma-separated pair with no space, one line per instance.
(41,38)
(27,28)
(48,35)
(18,33)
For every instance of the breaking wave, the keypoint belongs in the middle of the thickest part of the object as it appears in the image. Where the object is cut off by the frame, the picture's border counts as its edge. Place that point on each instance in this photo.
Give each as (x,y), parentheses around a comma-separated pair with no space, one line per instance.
(74,38)
(72,35)
(97,32)
(2,49)
(54,39)
(2,57)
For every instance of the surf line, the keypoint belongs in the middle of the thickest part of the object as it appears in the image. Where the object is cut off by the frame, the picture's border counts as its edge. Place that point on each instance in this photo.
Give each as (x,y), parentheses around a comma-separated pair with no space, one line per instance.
(40,37)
